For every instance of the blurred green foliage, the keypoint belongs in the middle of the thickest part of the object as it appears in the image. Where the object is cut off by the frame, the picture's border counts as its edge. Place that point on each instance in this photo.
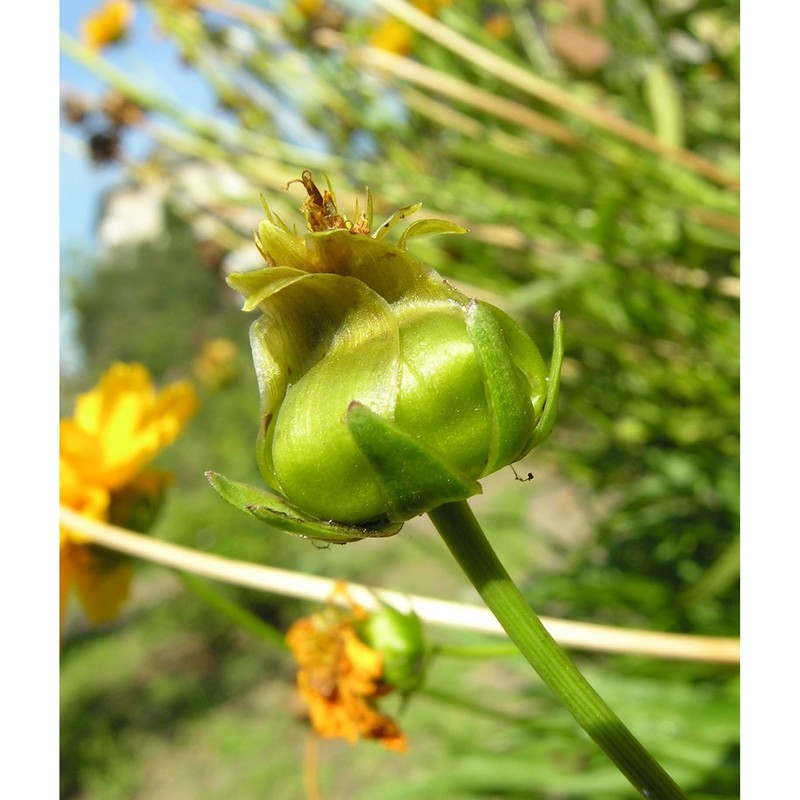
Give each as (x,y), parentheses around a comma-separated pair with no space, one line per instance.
(640,254)
(156,280)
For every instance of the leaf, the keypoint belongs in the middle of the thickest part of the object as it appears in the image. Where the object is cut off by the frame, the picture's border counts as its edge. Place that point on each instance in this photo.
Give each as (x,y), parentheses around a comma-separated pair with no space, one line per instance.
(275,511)
(401,213)
(548,418)
(666,107)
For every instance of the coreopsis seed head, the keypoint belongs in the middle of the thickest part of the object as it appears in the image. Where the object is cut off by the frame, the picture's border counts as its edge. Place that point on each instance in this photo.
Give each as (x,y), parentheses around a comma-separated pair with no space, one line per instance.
(75,108)
(120,110)
(104,146)
(385,392)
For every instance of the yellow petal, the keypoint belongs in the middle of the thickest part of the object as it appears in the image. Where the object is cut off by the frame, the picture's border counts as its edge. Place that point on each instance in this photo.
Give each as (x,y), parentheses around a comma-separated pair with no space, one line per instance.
(101,590)
(90,500)
(393,36)
(108,23)
(65,563)
(364,665)
(122,424)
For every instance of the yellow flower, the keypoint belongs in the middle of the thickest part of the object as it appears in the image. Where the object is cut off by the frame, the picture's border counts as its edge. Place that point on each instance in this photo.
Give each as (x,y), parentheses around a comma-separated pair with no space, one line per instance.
(431,7)
(215,366)
(397,37)
(340,678)
(108,24)
(309,8)
(122,424)
(393,36)
(118,427)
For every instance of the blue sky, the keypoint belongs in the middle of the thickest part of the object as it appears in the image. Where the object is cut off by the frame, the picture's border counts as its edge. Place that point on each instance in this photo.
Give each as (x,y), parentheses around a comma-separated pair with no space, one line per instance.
(146,57)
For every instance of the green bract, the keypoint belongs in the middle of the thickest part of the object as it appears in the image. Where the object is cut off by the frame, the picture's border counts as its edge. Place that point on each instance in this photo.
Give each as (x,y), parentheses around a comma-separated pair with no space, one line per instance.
(385,392)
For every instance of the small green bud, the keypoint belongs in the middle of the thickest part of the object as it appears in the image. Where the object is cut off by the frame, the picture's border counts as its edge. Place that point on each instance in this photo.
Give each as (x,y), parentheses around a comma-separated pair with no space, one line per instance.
(399,638)
(384,391)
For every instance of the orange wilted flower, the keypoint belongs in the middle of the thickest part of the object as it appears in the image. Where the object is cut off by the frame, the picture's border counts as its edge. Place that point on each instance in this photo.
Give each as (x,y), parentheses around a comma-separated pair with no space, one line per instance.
(108,24)
(117,429)
(341,678)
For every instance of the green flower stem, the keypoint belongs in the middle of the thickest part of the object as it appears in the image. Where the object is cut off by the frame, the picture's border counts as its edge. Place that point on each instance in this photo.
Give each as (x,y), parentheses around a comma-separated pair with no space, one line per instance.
(459,701)
(464,537)
(501,650)
(720,575)
(233,611)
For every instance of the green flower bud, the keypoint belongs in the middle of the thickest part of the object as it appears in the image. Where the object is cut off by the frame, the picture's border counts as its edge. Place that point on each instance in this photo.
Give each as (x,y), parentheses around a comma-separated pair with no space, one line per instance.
(384,391)
(399,638)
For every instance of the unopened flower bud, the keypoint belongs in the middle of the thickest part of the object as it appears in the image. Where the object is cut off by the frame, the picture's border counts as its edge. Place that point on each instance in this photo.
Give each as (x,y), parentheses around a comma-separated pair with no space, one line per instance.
(385,392)
(399,638)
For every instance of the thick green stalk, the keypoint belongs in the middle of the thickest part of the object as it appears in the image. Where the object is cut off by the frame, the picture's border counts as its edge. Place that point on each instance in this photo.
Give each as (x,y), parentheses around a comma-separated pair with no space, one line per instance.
(464,537)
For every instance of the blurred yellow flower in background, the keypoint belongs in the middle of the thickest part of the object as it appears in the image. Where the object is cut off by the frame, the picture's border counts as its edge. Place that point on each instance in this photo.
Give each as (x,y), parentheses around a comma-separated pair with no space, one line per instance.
(309,8)
(215,365)
(393,36)
(397,37)
(122,424)
(101,580)
(117,429)
(108,24)
(498,25)
(340,679)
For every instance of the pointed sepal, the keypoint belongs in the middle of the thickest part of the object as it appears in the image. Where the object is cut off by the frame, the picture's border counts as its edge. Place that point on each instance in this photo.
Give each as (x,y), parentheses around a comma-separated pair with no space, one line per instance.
(548,418)
(275,511)
(413,478)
